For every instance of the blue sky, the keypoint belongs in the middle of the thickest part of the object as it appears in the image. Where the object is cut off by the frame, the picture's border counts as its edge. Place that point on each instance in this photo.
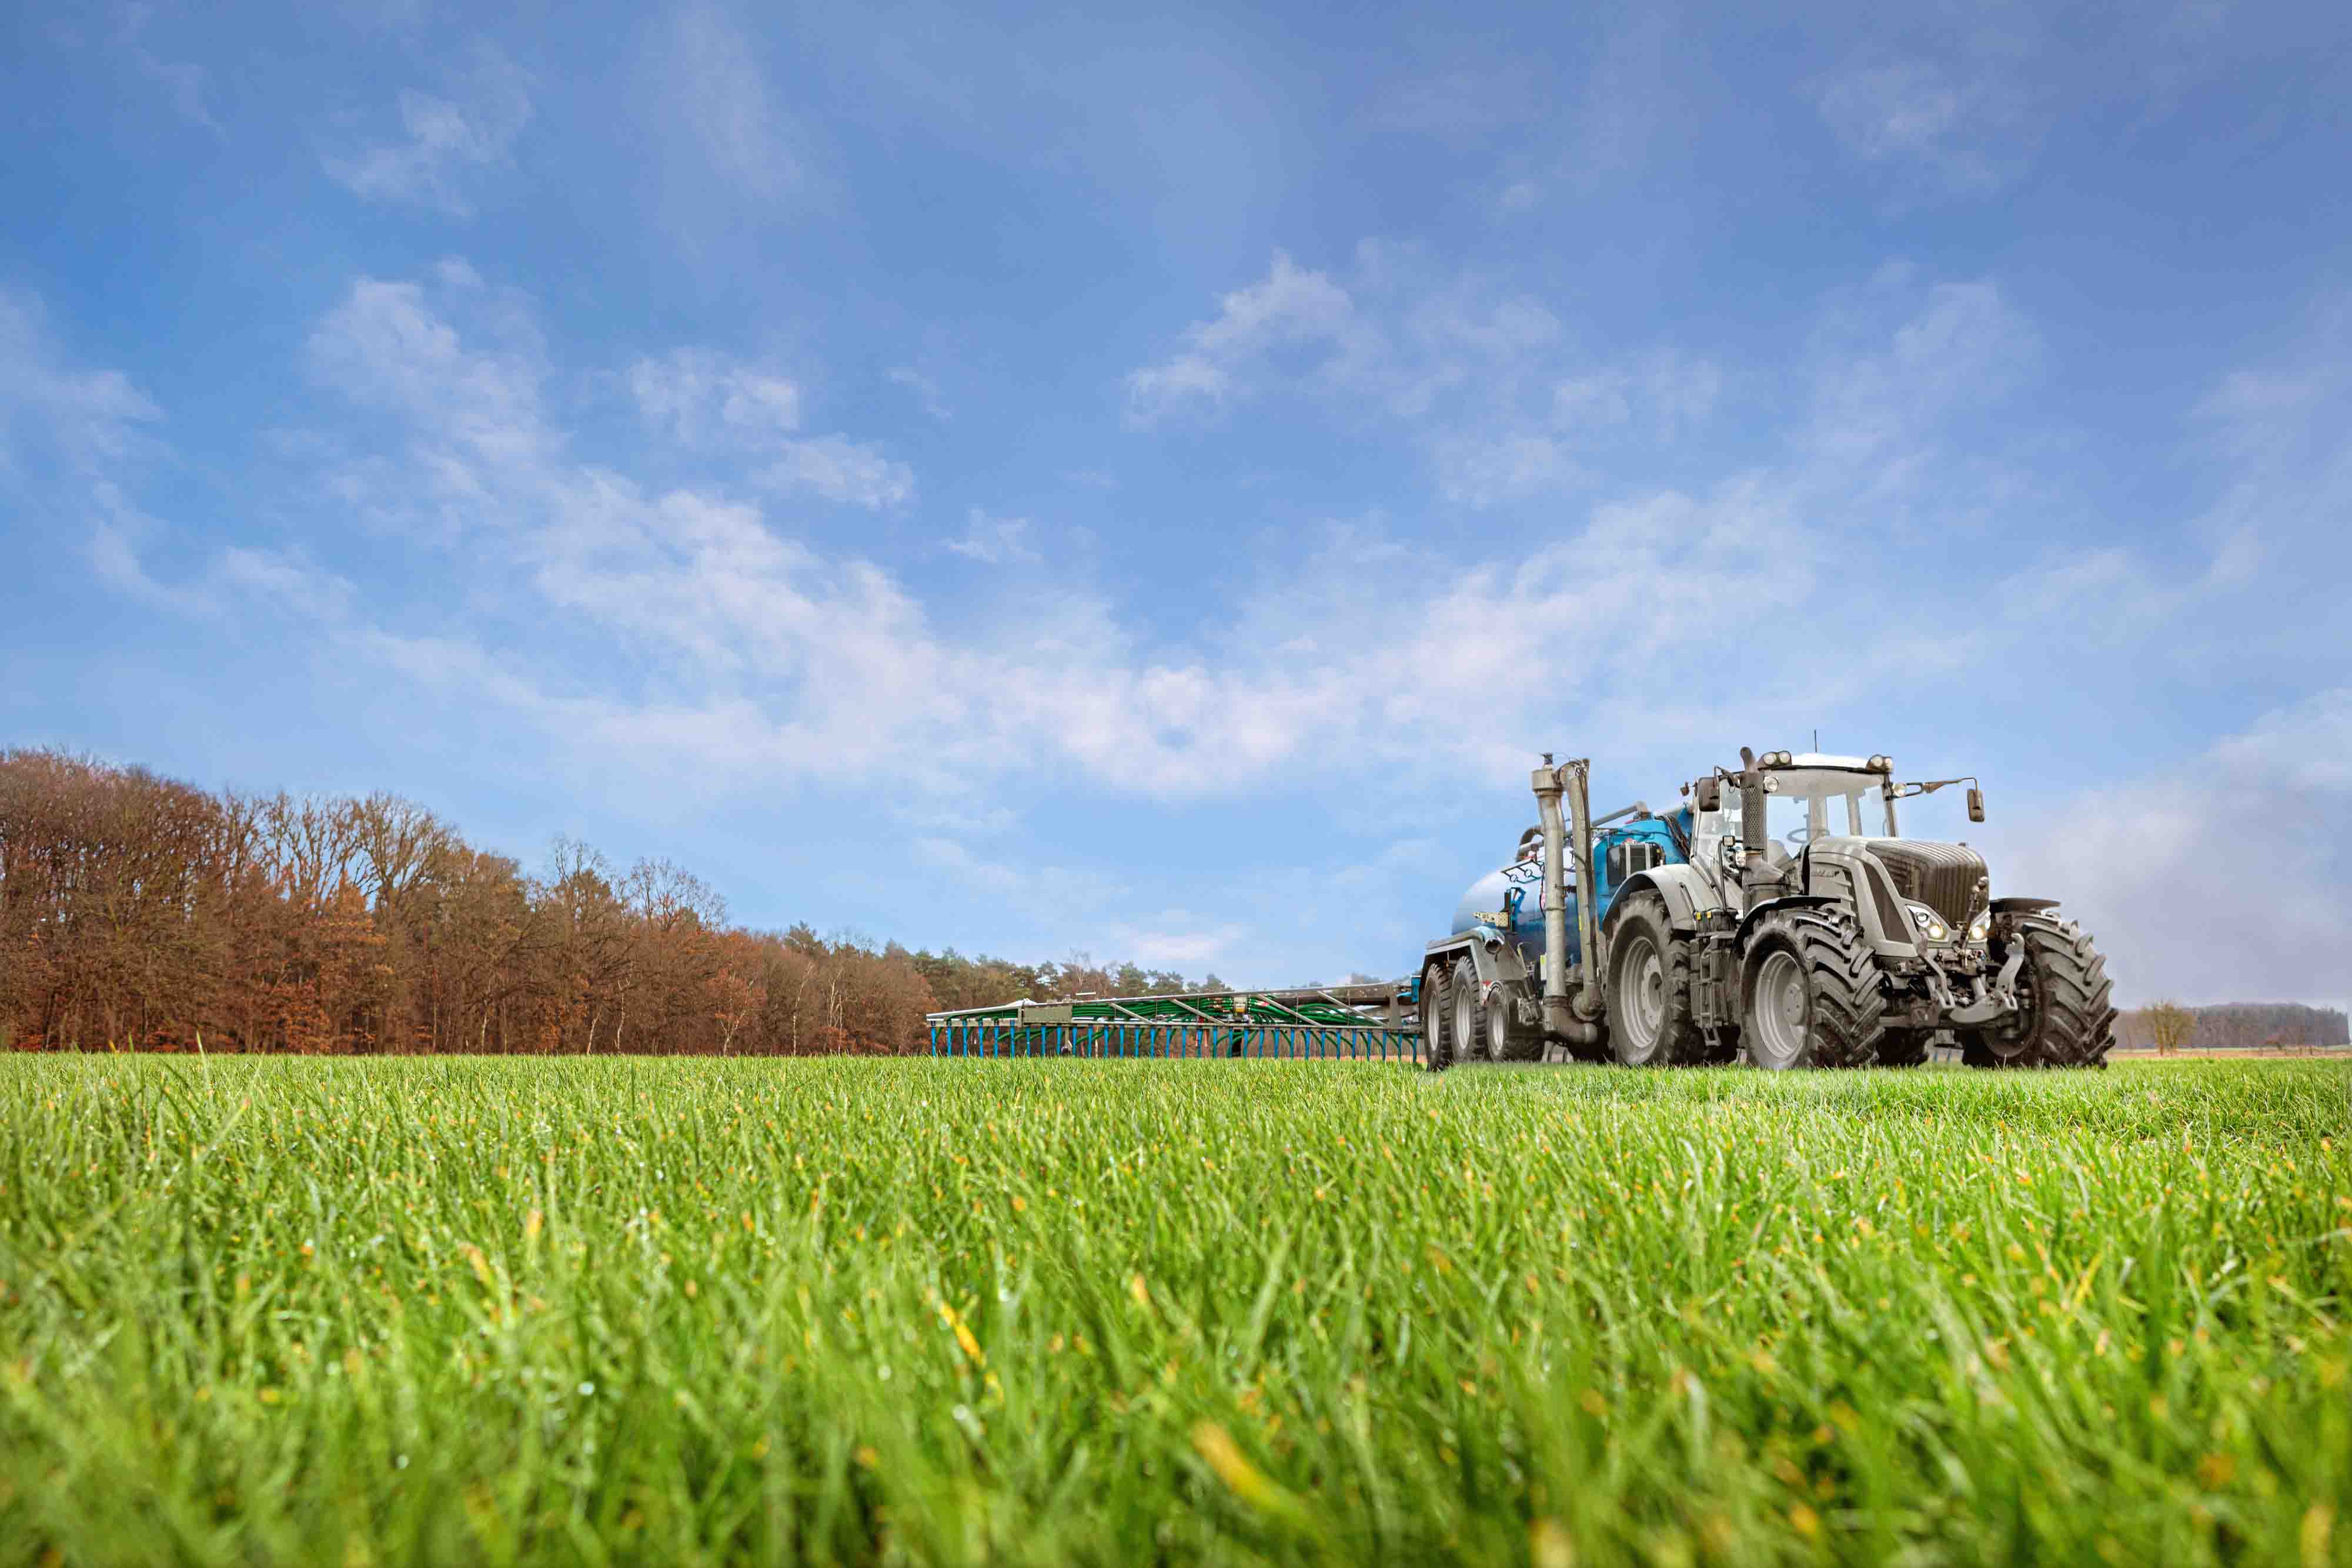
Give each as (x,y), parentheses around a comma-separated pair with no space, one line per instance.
(1038,482)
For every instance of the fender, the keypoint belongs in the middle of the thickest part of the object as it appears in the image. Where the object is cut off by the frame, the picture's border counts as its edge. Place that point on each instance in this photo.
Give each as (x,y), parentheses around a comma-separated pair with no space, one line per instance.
(1496,961)
(2023,906)
(1793,901)
(1684,887)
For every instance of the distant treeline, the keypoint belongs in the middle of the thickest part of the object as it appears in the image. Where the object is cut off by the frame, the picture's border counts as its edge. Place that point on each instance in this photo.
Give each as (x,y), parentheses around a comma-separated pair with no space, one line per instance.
(141,914)
(2240,1026)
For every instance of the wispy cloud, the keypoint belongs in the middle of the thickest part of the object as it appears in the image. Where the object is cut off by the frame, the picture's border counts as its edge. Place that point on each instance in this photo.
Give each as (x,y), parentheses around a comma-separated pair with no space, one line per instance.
(445,144)
(1484,380)
(705,401)
(711,84)
(1917,112)
(847,471)
(184,82)
(994,541)
(51,410)
(1179,939)
(925,388)
(697,396)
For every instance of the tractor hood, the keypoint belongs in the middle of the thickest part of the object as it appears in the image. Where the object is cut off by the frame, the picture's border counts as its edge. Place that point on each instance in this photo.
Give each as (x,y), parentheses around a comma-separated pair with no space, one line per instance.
(1947,878)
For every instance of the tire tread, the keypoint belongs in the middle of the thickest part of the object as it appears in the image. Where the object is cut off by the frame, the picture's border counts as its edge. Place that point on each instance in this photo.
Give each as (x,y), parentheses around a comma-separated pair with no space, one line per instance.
(1848,1016)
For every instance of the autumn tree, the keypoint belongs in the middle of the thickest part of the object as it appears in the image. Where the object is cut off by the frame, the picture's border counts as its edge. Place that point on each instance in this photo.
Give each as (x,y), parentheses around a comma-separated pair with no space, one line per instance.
(139,912)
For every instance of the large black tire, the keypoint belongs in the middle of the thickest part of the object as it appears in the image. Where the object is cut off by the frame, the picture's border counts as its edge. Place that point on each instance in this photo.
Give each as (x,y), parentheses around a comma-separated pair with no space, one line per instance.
(1467,1023)
(1810,993)
(1649,987)
(1436,1044)
(2066,1014)
(1508,1039)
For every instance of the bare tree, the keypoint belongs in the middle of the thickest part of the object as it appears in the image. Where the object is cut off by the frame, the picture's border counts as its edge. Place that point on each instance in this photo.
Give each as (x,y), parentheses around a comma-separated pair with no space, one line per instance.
(2168,1026)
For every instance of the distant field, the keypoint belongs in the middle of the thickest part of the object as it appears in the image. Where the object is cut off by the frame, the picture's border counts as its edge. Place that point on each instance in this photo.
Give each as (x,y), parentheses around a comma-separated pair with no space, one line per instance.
(687,1310)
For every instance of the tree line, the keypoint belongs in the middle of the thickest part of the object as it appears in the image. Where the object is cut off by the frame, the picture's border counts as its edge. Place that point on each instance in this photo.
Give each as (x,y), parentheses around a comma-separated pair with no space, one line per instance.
(139,912)
(2229,1026)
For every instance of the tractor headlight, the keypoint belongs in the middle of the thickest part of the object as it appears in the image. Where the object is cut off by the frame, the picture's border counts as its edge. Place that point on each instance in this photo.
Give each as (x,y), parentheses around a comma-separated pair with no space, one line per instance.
(1980,927)
(1927,920)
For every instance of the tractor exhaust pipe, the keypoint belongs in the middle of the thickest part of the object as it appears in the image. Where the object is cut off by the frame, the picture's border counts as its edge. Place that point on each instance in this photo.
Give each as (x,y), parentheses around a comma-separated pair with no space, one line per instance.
(1757,879)
(1566,1018)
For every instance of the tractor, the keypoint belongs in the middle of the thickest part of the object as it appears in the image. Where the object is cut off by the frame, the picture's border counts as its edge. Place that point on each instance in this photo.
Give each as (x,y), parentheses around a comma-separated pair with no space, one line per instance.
(1778,916)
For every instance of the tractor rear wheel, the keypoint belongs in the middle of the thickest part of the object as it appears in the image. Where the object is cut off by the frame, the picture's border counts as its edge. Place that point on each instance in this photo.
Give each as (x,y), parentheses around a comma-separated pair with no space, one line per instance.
(1649,989)
(1436,1044)
(1467,1024)
(1813,996)
(2065,1004)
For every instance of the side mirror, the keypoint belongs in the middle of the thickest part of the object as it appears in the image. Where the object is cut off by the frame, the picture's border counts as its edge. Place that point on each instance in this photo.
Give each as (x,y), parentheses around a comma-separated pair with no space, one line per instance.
(1976,804)
(1708,797)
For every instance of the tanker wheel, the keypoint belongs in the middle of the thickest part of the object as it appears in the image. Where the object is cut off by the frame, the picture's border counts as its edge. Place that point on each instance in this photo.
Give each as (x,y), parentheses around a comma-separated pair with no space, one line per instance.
(1813,996)
(1649,989)
(2065,1004)
(1467,1022)
(1437,1043)
(1509,1039)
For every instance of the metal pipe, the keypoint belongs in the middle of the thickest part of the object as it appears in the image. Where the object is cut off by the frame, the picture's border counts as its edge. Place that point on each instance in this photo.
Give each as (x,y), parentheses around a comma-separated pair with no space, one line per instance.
(1555,897)
(1590,996)
(1755,870)
(1564,1019)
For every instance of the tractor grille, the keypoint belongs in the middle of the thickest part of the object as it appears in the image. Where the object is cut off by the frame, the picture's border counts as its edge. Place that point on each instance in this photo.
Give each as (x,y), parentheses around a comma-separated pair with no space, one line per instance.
(1944,877)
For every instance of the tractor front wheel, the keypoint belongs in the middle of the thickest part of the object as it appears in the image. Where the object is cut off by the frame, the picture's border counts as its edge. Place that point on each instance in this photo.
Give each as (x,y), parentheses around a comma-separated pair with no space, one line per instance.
(1813,996)
(2065,1006)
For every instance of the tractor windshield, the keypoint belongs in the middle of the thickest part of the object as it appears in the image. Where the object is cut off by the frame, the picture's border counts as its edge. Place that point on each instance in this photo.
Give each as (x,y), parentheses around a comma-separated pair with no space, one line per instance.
(1810,803)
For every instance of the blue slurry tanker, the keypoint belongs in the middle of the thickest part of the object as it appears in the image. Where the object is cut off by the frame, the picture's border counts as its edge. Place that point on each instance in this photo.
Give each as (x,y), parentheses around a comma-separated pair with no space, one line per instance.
(1777,915)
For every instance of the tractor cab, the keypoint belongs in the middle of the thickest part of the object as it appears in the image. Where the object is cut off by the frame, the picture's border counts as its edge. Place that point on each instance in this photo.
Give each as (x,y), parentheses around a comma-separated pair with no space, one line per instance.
(1808,796)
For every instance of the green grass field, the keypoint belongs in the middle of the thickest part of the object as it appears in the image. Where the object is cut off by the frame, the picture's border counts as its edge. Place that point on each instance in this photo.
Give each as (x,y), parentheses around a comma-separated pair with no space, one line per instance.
(1072,1311)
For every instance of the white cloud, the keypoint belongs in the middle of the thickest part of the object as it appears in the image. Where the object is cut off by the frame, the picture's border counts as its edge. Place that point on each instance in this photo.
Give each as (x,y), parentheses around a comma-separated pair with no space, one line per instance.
(1045,888)
(1879,393)
(1293,306)
(2153,869)
(704,400)
(72,442)
(1912,110)
(925,388)
(1177,939)
(83,419)
(994,541)
(1483,379)
(444,143)
(697,396)
(1482,470)
(839,470)
(812,666)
